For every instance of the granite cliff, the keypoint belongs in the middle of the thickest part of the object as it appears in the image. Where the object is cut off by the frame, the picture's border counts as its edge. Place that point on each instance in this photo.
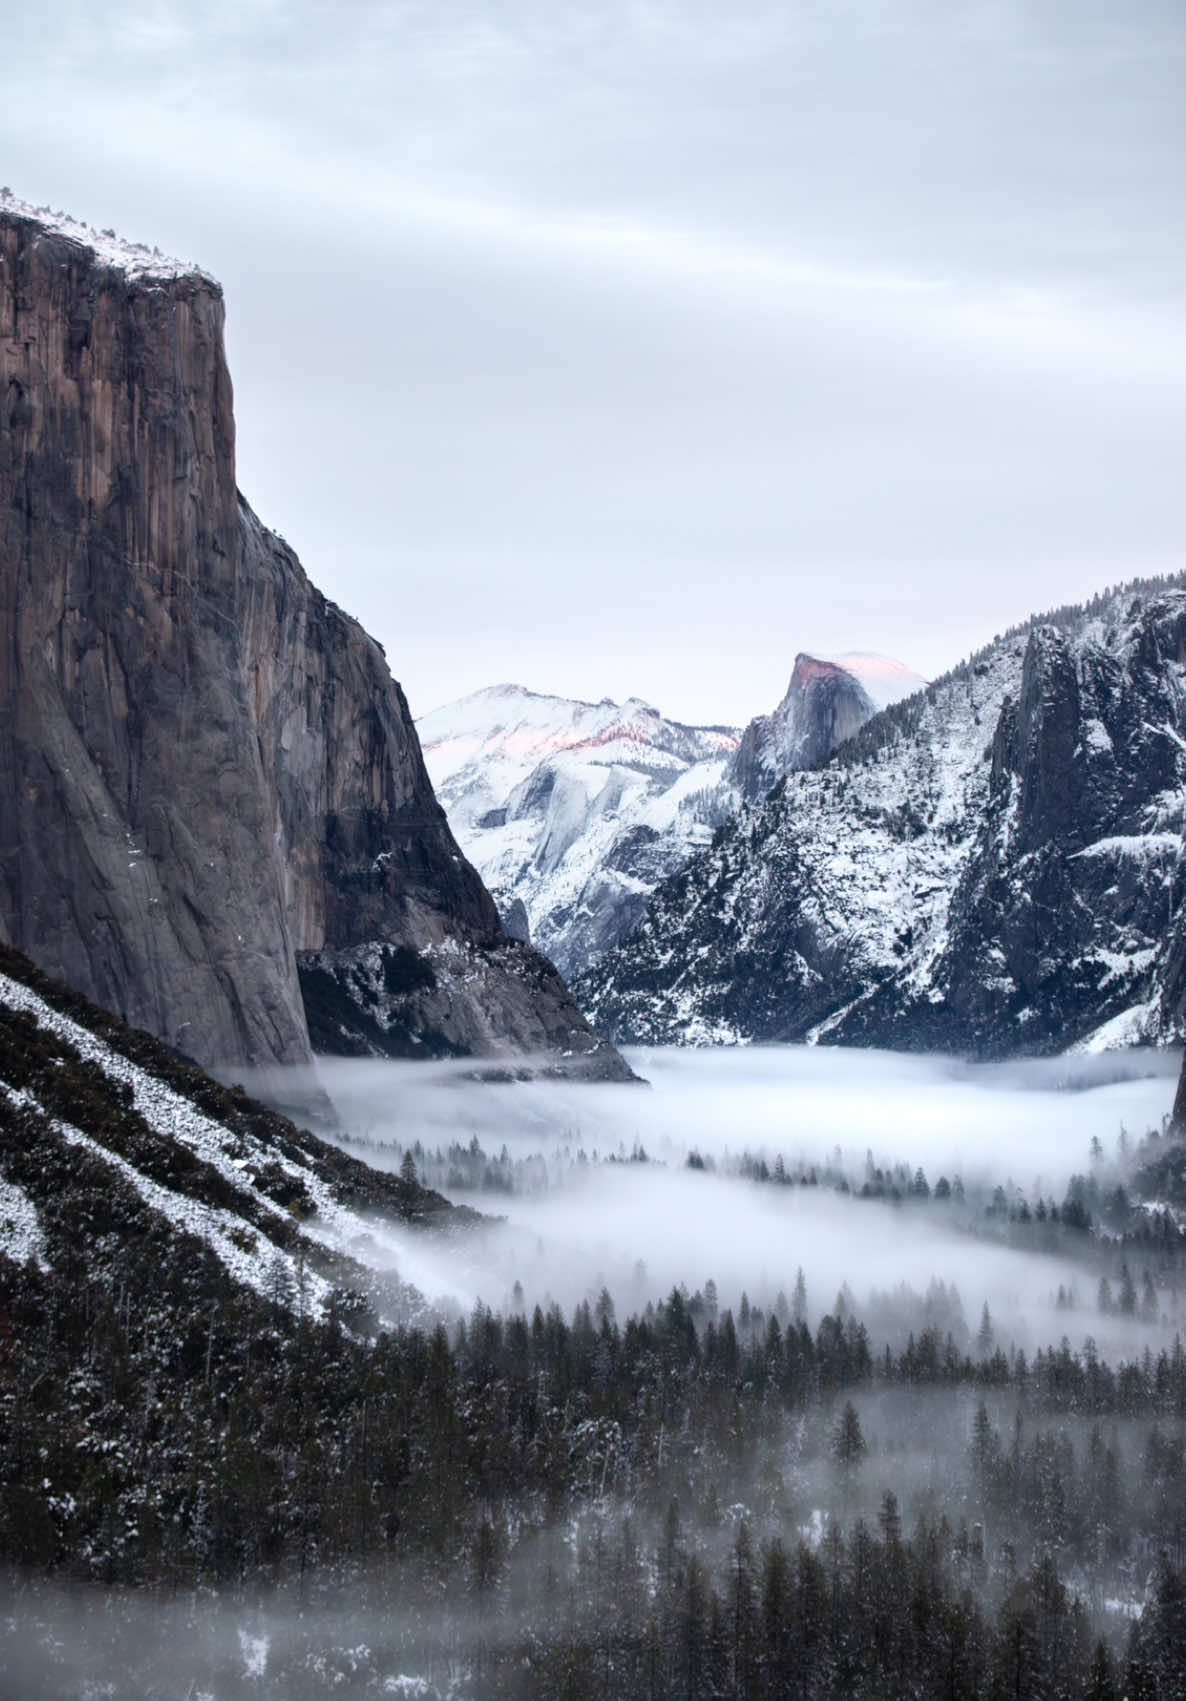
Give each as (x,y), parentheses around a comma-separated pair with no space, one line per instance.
(212,788)
(826,702)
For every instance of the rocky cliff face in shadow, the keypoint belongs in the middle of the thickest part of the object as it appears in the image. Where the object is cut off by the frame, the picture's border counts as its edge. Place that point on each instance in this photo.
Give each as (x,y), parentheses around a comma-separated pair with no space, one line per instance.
(208,773)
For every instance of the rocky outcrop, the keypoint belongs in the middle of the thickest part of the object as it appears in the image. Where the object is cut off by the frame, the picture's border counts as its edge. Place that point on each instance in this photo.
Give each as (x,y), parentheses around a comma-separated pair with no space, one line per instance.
(826,703)
(823,706)
(1065,916)
(207,770)
(992,867)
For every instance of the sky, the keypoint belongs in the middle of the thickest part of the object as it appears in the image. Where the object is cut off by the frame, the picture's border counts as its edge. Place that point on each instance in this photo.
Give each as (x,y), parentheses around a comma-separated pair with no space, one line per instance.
(629,349)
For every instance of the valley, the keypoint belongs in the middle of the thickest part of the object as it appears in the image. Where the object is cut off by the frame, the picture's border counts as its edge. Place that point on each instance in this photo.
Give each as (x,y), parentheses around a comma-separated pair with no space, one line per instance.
(543,1199)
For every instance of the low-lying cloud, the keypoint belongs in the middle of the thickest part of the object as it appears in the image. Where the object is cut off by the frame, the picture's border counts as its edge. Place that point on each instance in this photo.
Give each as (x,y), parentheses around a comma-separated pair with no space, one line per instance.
(605,1218)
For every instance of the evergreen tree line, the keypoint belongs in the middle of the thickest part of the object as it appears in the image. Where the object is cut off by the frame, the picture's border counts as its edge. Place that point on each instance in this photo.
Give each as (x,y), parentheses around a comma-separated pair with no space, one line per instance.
(168,1433)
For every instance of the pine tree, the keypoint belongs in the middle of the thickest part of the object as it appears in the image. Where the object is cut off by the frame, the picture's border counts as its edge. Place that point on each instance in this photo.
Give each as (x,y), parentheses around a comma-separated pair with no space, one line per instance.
(985,1338)
(848,1443)
(1101,1679)
(799,1298)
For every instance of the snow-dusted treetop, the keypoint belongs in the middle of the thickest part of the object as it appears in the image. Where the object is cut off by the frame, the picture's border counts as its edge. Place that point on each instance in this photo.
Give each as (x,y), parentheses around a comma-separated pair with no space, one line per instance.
(134,258)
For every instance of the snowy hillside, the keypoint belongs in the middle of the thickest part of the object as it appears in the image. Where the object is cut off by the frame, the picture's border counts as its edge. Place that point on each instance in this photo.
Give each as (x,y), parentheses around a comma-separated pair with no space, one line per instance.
(575,809)
(993,865)
(203,1170)
(574,812)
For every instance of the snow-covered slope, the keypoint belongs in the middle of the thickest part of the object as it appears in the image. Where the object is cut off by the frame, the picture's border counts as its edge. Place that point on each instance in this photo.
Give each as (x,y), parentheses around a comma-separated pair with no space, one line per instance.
(574,809)
(992,865)
(280,1211)
(574,812)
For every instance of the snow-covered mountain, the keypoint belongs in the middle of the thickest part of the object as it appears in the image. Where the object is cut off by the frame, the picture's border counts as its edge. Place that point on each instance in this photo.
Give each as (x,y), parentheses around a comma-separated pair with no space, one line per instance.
(993,865)
(573,812)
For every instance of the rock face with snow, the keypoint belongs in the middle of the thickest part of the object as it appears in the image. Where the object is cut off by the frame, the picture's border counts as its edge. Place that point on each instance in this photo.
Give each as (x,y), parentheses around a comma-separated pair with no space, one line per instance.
(208,776)
(573,812)
(827,702)
(992,866)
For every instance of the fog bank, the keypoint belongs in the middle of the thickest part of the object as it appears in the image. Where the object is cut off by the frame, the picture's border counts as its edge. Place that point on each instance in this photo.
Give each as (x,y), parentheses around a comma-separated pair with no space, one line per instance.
(605,1197)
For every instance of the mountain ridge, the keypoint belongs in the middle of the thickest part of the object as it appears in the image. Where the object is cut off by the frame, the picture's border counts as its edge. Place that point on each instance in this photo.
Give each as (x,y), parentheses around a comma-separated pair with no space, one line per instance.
(881,897)
(575,811)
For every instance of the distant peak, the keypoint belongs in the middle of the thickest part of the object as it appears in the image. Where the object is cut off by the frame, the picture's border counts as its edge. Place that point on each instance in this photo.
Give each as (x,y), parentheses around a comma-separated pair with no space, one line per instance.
(883,679)
(807,663)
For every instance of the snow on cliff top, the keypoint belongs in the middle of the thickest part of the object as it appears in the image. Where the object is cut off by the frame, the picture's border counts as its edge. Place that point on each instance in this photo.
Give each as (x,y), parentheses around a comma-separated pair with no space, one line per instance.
(134,258)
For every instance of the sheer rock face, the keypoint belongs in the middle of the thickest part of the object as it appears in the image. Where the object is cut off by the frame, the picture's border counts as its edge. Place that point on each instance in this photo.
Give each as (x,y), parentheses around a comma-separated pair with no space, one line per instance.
(206,767)
(824,705)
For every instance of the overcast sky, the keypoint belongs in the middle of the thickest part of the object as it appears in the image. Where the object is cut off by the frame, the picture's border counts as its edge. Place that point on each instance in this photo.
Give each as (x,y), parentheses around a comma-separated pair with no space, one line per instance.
(630,348)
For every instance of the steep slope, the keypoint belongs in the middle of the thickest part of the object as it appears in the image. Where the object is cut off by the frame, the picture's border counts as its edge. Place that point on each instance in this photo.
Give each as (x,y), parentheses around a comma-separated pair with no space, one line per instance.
(210,780)
(190,1288)
(992,866)
(210,1175)
(574,812)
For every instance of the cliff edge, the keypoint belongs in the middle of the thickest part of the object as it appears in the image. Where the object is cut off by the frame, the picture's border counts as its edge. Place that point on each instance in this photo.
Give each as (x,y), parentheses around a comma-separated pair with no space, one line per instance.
(212,788)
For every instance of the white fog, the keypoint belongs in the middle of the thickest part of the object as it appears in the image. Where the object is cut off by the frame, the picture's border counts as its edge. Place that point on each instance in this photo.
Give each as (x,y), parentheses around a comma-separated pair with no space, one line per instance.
(585,1213)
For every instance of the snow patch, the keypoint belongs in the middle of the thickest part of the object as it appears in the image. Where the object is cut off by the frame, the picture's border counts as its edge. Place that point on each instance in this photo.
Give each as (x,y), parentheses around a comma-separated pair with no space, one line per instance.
(1138,1025)
(1097,737)
(1144,847)
(133,258)
(21,1234)
(254,1650)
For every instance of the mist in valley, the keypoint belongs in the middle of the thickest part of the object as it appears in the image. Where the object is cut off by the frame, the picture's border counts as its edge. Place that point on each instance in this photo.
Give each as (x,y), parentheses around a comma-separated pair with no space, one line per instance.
(754,1168)
(791,1372)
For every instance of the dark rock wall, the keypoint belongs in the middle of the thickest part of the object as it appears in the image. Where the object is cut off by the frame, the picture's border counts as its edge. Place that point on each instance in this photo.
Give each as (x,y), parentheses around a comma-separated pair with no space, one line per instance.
(137,853)
(1077,766)
(205,767)
(367,852)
